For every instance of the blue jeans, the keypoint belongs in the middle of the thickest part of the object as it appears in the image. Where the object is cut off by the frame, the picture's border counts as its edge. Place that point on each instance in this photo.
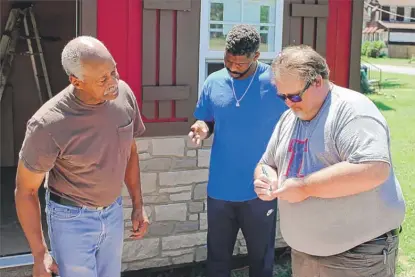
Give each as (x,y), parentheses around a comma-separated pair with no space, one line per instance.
(86,242)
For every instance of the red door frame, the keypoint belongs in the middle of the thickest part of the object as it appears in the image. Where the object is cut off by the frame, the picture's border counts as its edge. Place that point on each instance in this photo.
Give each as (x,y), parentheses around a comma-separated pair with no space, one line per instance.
(119,26)
(338,44)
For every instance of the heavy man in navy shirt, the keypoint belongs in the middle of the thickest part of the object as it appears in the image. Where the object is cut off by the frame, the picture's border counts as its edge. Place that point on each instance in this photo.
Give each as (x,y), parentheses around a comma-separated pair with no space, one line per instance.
(239,104)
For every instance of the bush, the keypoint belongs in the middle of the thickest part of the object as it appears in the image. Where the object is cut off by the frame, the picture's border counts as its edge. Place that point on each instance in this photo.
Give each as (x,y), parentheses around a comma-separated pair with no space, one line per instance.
(372,49)
(365,45)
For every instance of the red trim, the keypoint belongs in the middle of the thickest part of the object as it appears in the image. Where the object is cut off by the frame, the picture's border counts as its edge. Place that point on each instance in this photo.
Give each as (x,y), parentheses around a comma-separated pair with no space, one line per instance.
(119,27)
(338,40)
(156,103)
(174,57)
(332,38)
(112,30)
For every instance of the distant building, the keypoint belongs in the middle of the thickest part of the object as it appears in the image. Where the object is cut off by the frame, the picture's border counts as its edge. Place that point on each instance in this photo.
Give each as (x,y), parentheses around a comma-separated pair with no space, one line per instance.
(393,22)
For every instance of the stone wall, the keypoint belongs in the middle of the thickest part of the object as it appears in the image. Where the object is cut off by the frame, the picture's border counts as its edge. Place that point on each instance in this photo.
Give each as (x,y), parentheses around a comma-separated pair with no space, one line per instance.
(174,176)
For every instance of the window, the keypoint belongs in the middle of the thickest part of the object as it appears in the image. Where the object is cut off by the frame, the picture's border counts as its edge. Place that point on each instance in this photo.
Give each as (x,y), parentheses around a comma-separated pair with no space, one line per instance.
(385,16)
(401,13)
(219,16)
(413,15)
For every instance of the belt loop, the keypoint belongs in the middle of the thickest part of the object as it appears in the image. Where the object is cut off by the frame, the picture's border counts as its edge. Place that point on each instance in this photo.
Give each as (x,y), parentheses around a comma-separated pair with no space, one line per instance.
(47,195)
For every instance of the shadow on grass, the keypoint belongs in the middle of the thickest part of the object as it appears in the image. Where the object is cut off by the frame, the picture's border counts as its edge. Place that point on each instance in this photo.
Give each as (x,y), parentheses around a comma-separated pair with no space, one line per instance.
(393,83)
(383,107)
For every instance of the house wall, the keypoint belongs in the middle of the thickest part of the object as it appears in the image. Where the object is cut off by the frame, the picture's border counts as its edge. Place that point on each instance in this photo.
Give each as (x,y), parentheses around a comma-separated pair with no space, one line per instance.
(401,51)
(408,37)
(174,176)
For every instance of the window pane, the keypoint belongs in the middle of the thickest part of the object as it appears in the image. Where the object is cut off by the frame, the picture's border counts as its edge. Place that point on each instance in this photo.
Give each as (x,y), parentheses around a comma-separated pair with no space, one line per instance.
(385,16)
(213,66)
(259,11)
(216,11)
(217,36)
(264,14)
(400,11)
(229,10)
(267,39)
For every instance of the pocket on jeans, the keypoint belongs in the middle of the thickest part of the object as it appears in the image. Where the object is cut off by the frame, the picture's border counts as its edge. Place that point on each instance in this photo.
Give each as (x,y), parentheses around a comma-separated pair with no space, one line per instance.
(61,212)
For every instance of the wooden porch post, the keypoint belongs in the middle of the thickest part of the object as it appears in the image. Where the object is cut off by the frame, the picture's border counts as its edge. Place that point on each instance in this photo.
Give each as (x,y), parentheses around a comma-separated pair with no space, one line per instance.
(356,44)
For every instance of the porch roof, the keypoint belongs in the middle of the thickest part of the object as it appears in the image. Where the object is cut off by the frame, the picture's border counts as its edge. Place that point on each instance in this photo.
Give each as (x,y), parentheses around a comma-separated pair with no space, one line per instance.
(398,25)
(371,30)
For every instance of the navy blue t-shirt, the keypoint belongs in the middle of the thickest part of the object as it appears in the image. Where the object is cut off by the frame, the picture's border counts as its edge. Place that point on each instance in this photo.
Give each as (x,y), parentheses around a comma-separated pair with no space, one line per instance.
(241,133)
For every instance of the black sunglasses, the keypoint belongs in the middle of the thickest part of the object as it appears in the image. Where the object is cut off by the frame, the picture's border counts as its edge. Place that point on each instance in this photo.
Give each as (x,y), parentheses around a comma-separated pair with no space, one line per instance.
(295,98)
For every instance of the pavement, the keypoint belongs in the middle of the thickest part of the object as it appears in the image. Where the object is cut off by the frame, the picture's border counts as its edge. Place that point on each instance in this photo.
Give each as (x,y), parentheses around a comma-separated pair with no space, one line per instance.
(394,69)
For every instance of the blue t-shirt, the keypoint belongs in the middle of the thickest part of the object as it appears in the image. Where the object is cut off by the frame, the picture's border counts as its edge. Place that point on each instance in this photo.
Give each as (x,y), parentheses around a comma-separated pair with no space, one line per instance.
(241,133)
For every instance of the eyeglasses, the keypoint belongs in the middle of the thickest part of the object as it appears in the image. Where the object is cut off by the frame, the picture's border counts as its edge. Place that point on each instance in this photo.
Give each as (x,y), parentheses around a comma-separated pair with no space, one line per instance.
(295,98)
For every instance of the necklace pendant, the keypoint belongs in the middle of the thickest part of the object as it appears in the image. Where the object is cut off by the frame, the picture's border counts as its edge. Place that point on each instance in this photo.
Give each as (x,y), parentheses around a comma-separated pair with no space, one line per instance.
(237,104)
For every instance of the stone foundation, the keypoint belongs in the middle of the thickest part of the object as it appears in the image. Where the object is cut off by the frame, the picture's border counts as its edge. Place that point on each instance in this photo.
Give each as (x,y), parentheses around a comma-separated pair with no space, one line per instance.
(174,176)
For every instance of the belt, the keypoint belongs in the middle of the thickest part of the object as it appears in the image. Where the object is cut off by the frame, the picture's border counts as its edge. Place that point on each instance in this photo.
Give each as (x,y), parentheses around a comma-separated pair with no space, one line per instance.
(67,202)
(394,232)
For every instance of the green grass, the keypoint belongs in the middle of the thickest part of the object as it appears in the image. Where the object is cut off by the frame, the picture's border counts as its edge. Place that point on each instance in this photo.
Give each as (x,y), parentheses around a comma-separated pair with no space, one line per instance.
(398,106)
(388,61)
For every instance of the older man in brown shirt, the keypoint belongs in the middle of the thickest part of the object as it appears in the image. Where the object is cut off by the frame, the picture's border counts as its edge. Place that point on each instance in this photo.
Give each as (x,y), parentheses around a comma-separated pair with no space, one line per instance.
(82,141)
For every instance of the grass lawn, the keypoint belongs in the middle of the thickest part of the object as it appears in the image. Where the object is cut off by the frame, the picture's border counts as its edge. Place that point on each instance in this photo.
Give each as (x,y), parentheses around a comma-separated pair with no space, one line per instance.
(388,61)
(398,107)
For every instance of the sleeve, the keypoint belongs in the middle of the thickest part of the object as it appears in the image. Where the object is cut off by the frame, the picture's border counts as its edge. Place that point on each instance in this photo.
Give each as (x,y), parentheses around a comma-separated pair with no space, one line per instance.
(39,150)
(139,127)
(138,124)
(203,109)
(269,156)
(363,139)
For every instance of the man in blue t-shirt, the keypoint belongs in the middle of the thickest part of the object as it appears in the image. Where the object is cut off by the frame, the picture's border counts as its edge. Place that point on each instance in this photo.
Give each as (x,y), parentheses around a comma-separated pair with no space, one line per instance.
(240,105)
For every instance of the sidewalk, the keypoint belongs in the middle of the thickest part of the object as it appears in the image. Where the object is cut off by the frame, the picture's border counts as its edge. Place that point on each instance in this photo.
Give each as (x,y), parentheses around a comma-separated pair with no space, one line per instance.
(393,68)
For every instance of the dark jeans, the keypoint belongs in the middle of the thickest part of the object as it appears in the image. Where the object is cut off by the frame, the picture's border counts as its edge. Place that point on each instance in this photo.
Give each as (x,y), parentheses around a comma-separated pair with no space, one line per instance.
(256,219)
(375,258)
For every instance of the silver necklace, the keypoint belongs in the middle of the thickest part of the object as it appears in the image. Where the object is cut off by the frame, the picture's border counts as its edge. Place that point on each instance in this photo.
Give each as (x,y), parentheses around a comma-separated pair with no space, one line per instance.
(250,83)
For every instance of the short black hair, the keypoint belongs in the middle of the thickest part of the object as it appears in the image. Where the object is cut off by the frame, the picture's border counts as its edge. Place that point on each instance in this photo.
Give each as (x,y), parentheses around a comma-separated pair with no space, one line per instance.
(242,39)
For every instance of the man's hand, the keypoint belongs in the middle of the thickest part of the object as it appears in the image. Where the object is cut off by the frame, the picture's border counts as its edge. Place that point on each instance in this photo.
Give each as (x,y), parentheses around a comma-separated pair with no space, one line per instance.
(199,131)
(44,265)
(264,187)
(292,190)
(140,223)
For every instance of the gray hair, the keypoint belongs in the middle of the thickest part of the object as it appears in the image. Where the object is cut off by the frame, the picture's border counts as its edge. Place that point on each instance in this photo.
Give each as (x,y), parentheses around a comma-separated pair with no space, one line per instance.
(302,60)
(79,49)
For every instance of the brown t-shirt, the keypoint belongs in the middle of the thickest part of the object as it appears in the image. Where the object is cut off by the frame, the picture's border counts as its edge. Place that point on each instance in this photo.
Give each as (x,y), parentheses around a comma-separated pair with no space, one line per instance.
(85,148)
